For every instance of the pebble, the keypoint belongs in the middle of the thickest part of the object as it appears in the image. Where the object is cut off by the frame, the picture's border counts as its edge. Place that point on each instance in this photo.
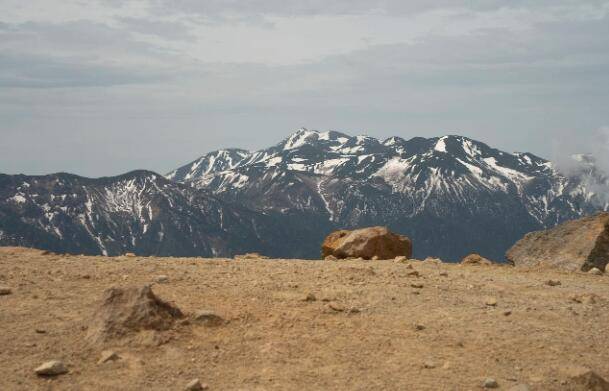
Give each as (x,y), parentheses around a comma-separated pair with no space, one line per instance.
(491,301)
(419,327)
(208,318)
(429,365)
(553,282)
(330,258)
(401,258)
(444,274)
(507,313)
(310,297)
(595,271)
(416,285)
(108,355)
(413,273)
(490,383)
(51,368)
(375,258)
(5,290)
(162,279)
(195,385)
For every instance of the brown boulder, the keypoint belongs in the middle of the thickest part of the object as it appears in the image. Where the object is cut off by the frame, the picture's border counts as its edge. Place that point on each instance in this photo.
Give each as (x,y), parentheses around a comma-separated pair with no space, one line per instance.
(575,245)
(366,243)
(126,310)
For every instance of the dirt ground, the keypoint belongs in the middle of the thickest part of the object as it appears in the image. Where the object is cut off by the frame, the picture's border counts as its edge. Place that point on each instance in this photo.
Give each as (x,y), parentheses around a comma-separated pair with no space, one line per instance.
(372,326)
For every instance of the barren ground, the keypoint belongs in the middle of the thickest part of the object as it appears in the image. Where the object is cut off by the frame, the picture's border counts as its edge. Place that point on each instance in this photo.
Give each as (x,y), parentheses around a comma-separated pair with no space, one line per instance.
(275,340)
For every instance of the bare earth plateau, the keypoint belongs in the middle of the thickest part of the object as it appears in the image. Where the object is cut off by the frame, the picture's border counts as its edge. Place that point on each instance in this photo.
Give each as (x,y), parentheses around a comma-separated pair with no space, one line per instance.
(306,325)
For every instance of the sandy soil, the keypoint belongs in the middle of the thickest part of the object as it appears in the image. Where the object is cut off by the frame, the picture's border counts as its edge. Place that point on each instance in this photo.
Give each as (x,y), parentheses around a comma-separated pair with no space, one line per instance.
(391,333)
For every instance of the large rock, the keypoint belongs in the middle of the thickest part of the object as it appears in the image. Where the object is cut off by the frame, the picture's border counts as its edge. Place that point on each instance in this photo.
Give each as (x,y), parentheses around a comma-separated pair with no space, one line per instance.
(366,243)
(132,309)
(575,245)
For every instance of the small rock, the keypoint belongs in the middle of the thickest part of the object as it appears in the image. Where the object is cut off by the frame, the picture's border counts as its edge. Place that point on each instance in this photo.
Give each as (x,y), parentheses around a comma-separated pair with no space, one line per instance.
(40,331)
(400,259)
(419,327)
(195,385)
(595,271)
(432,260)
(51,368)
(490,383)
(108,355)
(491,301)
(507,313)
(336,307)
(553,282)
(208,318)
(310,297)
(86,276)
(130,255)
(161,279)
(607,268)
(330,258)
(429,365)
(585,298)
(444,274)
(416,285)
(5,290)
(354,310)
(413,273)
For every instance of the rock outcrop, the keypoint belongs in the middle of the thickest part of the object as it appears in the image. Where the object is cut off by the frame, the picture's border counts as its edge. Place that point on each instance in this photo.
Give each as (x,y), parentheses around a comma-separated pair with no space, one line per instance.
(475,259)
(132,309)
(366,243)
(575,245)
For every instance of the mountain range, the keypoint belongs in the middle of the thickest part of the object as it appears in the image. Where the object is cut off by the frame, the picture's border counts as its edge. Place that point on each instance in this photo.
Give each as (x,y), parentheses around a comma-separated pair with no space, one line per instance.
(451,195)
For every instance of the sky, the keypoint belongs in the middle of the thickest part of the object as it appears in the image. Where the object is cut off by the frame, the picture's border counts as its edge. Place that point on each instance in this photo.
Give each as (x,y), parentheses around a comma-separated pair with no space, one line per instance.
(102,87)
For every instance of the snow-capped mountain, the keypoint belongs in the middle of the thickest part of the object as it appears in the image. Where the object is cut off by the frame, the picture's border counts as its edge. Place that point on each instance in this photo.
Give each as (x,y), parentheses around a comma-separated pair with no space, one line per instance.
(451,194)
(139,212)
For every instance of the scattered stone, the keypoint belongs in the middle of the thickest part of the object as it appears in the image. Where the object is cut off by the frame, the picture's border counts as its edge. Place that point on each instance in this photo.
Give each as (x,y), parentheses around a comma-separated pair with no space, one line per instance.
(130,255)
(490,383)
(375,258)
(51,368)
(553,282)
(107,356)
(5,290)
(444,274)
(595,271)
(366,243)
(161,279)
(330,258)
(413,273)
(354,310)
(507,313)
(310,297)
(208,318)
(195,385)
(401,259)
(575,245)
(40,331)
(476,260)
(126,310)
(86,276)
(429,365)
(491,301)
(416,285)
(419,327)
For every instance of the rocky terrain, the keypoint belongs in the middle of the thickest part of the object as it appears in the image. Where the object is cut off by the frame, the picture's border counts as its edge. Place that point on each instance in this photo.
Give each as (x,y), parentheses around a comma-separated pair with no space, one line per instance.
(276,324)
(451,195)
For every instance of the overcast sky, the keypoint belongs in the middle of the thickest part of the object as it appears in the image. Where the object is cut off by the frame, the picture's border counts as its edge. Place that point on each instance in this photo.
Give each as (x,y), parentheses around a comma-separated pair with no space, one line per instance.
(103,87)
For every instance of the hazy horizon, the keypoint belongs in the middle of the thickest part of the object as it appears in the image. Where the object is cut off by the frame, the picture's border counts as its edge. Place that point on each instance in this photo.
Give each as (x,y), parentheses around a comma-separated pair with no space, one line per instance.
(99,88)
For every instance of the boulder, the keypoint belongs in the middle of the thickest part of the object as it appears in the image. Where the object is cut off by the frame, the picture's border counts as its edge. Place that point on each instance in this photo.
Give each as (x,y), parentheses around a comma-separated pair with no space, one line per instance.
(475,259)
(366,243)
(575,245)
(126,310)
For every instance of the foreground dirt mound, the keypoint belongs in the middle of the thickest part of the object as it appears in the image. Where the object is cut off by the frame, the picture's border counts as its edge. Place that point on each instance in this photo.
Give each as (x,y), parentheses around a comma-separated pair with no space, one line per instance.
(576,245)
(127,310)
(476,259)
(366,243)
